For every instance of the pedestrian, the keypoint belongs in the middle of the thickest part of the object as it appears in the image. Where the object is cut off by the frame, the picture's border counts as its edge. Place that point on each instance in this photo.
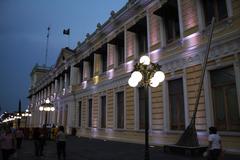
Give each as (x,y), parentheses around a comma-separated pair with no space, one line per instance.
(19,137)
(61,143)
(52,132)
(36,140)
(215,145)
(42,140)
(8,143)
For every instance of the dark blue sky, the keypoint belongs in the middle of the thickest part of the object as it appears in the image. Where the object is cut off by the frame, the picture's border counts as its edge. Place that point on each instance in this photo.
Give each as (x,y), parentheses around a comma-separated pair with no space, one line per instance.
(23,30)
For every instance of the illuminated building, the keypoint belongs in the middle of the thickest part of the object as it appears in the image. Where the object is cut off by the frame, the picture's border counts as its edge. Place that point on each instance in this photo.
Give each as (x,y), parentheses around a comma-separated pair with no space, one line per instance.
(88,85)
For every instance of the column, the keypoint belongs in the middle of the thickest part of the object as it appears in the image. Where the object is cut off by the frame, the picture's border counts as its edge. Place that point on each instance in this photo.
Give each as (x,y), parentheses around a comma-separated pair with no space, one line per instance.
(65,83)
(86,72)
(55,87)
(61,84)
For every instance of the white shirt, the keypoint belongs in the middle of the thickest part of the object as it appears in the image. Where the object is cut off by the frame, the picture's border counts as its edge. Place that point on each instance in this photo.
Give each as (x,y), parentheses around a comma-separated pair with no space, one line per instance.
(215,139)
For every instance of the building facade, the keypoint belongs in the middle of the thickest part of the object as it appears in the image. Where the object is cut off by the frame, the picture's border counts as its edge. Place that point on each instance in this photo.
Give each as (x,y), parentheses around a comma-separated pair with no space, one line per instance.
(88,85)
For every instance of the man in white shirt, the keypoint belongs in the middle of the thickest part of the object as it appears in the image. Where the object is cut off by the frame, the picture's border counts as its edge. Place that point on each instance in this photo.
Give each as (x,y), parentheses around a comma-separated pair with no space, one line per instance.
(215,145)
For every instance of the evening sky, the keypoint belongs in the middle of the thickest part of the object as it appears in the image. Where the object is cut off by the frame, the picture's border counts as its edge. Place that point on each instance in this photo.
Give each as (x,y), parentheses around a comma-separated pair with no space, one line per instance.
(23,32)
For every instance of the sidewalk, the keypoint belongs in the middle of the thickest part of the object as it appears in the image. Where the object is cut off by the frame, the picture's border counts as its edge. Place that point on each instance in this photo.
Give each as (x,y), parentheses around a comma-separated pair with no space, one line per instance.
(92,149)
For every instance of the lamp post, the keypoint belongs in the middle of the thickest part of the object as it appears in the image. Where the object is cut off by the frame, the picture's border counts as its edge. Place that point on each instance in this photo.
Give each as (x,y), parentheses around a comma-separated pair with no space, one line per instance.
(146,74)
(47,106)
(26,114)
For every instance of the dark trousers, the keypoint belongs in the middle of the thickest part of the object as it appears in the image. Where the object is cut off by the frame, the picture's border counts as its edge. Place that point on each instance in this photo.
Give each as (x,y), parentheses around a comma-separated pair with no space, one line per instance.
(19,143)
(214,154)
(61,149)
(39,146)
(36,147)
(6,153)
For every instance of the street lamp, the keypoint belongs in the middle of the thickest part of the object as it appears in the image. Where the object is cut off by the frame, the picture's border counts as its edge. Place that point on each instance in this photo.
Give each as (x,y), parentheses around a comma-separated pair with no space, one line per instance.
(146,74)
(26,114)
(47,106)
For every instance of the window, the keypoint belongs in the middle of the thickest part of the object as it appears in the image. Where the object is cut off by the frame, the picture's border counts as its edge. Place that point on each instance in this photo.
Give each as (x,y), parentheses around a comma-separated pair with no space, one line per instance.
(214,8)
(80,113)
(225,103)
(91,63)
(169,14)
(104,62)
(120,54)
(103,112)
(141,99)
(142,43)
(172,29)
(90,113)
(102,52)
(68,77)
(176,104)
(118,42)
(81,71)
(120,109)
(62,79)
(140,29)
(58,82)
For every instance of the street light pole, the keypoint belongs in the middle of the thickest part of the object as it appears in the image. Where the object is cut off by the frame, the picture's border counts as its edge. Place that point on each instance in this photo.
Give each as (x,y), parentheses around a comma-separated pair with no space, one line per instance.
(146,124)
(146,74)
(47,106)
(45,123)
(19,112)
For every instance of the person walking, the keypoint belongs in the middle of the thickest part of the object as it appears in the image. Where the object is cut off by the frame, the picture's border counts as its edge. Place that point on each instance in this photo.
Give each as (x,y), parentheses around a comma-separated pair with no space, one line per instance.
(8,145)
(36,139)
(42,140)
(61,143)
(19,137)
(215,144)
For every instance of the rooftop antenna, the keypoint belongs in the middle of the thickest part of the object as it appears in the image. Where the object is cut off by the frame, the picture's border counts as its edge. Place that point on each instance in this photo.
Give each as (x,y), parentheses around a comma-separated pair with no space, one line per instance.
(46,54)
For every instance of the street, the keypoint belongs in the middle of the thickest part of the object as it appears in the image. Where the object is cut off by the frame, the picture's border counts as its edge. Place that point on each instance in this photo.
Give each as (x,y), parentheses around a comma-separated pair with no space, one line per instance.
(92,149)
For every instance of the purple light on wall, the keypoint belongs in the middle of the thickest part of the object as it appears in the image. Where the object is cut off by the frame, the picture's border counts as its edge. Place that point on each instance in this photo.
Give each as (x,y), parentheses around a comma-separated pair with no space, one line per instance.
(192,41)
(155,55)
(110,73)
(84,84)
(129,66)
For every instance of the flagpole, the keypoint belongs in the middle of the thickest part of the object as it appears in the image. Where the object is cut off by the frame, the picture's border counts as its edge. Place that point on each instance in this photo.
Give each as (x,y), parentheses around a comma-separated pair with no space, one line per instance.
(68,40)
(67,32)
(46,54)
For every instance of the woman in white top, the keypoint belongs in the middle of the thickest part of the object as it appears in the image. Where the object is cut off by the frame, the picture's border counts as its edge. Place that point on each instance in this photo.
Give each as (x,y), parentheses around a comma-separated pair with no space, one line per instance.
(215,145)
(61,143)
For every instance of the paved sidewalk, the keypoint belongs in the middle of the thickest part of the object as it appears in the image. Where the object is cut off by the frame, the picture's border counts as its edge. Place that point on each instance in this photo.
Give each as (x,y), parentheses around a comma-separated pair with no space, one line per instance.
(92,149)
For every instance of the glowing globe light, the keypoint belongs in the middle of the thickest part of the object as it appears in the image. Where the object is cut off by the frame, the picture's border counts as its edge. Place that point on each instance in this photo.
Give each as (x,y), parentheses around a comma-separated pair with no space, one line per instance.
(47,101)
(47,109)
(52,109)
(145,60)
(136,75)
(132,82)
(154,82)
(160,76)
(41,108)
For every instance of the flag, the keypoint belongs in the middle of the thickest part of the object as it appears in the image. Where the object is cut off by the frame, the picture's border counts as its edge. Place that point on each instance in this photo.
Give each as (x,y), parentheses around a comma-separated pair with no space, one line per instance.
(66,31)
(48,32)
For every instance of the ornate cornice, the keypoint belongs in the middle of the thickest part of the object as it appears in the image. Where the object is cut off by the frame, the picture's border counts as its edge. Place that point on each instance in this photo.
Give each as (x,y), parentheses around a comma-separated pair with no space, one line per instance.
(221,47)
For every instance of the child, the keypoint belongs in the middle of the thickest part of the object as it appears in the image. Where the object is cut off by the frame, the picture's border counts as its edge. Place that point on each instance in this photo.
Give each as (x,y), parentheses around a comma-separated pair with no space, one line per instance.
(215,145)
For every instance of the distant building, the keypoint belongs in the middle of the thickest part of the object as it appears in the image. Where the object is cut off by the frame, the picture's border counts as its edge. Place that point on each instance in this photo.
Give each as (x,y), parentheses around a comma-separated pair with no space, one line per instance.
(88,85)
